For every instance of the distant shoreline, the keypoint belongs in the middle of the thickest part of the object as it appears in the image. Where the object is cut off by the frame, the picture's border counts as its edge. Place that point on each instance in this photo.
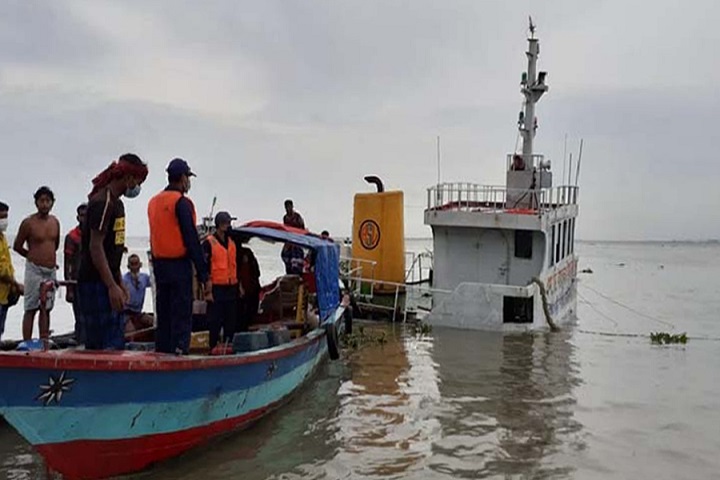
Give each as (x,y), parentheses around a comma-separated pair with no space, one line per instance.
(712,241)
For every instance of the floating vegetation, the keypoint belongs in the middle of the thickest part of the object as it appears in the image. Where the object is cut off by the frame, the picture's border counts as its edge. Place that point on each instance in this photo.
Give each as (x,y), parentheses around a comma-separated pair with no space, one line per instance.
(586,270)
(663,338)
(360,338)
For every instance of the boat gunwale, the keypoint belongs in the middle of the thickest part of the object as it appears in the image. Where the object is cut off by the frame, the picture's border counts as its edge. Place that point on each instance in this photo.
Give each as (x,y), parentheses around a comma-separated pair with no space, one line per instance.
(131,361)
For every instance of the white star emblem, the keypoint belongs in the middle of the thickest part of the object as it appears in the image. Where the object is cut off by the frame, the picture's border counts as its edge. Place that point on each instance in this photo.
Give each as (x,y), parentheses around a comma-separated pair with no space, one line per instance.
(53,391)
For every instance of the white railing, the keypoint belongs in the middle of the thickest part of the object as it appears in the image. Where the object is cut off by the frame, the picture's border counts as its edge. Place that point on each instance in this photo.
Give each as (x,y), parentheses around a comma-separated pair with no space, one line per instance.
(356,272)
(536,160)
(420,266)
(471,197)
(358,276)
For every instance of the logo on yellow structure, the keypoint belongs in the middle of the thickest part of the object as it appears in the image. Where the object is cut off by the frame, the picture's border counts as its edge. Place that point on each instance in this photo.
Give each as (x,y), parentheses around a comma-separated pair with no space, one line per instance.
(369,234)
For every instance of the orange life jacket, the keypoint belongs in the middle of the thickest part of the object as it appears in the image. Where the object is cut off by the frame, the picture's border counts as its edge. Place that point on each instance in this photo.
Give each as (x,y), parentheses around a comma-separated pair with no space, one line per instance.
(223,270)
(165,237)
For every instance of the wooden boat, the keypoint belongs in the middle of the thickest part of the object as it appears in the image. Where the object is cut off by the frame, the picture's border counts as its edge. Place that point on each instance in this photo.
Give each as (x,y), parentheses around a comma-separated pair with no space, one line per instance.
(95,414)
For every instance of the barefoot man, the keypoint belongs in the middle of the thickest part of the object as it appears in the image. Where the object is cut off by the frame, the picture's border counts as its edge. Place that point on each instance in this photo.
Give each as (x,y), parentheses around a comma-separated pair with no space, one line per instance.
(41,233)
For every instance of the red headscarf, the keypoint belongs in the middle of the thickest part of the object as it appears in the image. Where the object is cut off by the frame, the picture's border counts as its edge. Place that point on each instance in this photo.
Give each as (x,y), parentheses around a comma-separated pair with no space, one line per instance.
(118,169)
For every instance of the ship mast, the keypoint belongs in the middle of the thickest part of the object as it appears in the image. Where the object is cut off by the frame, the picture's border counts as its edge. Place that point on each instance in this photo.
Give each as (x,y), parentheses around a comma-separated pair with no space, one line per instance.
(533,87)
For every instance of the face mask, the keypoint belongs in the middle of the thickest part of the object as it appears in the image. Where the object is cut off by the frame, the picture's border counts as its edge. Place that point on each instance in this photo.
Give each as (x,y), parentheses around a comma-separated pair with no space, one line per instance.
(133,192)
(3,224)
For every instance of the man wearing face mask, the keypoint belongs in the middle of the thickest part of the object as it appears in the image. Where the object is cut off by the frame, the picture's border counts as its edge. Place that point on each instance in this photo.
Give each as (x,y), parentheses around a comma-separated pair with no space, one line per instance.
(100,289)
(175,248)
(9,287)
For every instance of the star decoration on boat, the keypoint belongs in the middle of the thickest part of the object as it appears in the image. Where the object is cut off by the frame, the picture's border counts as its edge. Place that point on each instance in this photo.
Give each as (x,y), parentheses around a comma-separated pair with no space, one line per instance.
(55,388)
(271,369)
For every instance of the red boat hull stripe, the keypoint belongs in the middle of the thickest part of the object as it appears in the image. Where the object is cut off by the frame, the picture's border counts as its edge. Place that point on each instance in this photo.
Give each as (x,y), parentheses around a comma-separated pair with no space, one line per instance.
(93,459)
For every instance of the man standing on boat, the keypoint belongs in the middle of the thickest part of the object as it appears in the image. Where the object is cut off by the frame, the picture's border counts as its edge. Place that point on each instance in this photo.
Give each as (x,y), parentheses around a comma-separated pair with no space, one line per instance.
(249,277)
(292,255)
(221,254)
(175,248)
(10,289)
(101,293)
(73,243)
(41,232)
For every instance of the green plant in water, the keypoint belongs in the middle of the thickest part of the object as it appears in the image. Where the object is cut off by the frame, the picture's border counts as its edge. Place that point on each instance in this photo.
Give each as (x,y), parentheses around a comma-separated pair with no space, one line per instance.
(361,338)
(663,338)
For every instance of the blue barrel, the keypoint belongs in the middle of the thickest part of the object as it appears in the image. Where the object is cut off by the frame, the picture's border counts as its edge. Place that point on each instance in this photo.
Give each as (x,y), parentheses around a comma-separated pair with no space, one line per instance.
(250,341)
(278,336)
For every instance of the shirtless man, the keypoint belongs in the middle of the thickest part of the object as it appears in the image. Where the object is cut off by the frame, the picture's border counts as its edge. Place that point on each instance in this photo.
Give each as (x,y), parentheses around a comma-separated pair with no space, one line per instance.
(41,232)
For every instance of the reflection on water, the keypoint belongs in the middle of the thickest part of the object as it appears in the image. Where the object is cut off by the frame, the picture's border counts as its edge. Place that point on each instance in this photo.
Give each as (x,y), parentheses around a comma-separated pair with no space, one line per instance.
(507,404)
(458,404)
(453,405)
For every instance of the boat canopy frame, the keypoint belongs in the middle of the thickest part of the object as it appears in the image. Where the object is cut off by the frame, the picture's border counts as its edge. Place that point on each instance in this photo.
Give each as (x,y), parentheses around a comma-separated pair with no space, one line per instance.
(327,257)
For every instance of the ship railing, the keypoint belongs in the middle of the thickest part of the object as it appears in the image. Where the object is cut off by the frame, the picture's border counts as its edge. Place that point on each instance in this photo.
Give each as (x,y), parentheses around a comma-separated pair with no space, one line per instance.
(535,161)
(472,197)
(420,266)
(357,273)
(417,298)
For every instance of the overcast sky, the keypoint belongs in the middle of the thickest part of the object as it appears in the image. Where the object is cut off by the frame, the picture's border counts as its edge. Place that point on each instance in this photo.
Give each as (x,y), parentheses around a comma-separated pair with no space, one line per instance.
(274,99)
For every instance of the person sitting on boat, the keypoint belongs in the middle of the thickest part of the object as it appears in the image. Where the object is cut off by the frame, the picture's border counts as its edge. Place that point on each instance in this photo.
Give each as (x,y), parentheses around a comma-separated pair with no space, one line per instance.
(249,278)
(221,255)
(10,289)
(100,288)
(136,283)
(175,248)
(73,243)
(292,218)
(293,256)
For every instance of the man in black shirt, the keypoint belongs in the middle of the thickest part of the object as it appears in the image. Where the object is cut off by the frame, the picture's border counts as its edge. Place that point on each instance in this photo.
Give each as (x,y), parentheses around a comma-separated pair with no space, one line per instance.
(101,295)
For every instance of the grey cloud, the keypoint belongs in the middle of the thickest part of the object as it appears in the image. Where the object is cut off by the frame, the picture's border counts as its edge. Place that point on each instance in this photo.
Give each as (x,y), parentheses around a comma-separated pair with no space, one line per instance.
(42,32)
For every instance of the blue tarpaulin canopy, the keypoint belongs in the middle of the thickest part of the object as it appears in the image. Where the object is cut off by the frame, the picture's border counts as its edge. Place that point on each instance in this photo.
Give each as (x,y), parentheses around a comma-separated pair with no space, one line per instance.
(327,260)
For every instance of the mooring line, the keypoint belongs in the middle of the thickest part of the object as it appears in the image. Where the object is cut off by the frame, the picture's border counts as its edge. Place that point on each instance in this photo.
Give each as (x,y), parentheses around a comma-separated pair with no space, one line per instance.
(602,314)
(629,308)
(639,335)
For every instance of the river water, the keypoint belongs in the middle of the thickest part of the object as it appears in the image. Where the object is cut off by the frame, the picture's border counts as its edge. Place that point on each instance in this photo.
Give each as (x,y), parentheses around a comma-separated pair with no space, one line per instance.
(594,401)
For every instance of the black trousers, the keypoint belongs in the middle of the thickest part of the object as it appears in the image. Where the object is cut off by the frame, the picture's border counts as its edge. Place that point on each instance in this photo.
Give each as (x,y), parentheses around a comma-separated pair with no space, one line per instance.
(173,301)
(247,311)
(222,313)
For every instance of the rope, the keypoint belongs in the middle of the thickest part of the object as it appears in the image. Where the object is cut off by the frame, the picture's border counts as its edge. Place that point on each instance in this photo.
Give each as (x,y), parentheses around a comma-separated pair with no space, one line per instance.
(602,314)
(628,308)
(546,308)
(639,335)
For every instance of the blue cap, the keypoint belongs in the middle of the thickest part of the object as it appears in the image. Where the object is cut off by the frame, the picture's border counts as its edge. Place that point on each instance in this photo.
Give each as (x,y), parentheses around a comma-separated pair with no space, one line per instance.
(177,167)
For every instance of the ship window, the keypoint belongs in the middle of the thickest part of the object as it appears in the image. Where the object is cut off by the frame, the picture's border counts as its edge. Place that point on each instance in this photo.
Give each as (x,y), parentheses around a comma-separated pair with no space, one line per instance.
(563,252)
(523,243)
(552,247)
(572,235)
(557,243)
(517,309)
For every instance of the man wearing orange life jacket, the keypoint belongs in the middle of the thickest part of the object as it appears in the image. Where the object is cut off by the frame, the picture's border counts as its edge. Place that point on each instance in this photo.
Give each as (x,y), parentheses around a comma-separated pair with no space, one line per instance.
(175,248)
(221,254)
